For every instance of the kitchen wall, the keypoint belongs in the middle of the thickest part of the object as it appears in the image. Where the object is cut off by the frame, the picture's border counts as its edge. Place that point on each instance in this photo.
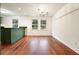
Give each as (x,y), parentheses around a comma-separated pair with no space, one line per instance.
(26,21)
(65,26)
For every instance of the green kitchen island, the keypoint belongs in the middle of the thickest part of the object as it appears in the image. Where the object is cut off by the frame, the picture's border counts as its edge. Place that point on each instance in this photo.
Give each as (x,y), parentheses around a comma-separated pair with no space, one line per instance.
(11,35)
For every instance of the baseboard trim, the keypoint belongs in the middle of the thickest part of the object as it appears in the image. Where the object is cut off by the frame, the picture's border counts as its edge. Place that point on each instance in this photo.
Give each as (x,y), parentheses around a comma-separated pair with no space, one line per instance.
(65,44)
(38,35)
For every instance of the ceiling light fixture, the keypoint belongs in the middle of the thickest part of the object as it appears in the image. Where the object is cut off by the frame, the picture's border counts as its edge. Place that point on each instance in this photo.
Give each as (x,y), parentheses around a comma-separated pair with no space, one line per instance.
(42,13)
(19,8)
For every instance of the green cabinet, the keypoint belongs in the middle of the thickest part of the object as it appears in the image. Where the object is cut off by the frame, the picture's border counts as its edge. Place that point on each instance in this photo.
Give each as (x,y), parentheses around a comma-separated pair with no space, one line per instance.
(16,34)
(5,35)
(11,35)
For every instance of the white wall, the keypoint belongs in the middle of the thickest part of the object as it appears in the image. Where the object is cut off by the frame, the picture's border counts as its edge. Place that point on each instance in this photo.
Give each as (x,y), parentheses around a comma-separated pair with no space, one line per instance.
(37,32)
(65,26)
(27,22)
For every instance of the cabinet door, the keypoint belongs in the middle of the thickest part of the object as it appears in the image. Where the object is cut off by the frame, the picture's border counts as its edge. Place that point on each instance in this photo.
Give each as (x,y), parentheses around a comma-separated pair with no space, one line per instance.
(2,36)
(5,36)
(15,35)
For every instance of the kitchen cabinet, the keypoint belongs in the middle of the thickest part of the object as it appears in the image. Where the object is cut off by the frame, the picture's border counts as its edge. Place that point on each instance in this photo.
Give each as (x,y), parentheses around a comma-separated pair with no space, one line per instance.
(11,35)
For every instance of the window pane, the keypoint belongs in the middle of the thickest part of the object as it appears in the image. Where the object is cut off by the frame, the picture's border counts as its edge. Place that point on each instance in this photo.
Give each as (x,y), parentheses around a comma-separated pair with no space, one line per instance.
(43,21)
(35,22)
(34,26)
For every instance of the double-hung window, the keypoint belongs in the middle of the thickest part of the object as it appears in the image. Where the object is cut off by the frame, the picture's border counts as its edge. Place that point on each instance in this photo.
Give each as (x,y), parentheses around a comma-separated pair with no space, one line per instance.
(43,24)
(35,24)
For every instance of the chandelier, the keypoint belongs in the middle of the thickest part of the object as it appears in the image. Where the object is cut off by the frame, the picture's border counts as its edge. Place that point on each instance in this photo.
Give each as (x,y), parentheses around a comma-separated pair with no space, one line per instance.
(42,13)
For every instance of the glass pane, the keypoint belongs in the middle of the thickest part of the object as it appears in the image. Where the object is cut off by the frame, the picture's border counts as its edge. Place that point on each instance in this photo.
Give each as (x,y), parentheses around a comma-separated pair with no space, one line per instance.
(35,22)
(43,21)
(34,26)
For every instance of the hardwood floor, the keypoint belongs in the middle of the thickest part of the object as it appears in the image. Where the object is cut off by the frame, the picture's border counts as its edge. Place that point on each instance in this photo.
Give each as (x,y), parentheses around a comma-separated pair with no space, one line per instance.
(37,46)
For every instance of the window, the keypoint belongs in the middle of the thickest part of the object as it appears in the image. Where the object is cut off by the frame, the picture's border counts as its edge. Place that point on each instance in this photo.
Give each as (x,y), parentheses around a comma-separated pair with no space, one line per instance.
(35,24)
(15,23)
(43,24)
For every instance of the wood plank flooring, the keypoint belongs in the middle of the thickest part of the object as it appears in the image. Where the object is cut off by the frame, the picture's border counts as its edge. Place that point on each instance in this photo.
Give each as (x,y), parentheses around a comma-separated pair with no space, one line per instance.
(33,45)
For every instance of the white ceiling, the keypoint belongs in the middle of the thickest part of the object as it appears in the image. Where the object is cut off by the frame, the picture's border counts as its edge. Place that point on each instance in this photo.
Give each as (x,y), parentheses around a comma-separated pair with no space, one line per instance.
(30,9)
